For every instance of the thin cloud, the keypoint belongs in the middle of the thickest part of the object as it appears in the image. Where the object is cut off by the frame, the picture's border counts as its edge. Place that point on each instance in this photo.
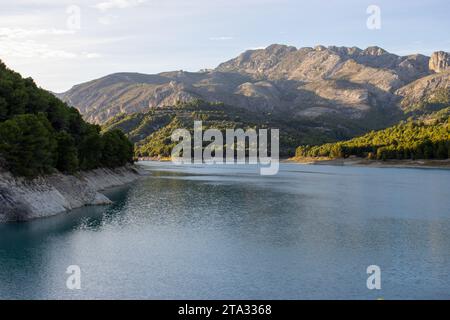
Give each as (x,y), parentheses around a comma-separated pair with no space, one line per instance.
(223,38)
(32,49)
(28,43)
(20,33)
(106,20)
(92,55)
(118,4)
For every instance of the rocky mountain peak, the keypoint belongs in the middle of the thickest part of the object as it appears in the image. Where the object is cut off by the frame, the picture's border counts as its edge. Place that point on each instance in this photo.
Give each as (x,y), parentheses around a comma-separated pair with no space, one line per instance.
(439,61)
(304,82)
(345,51)
(374,51)
(257,61)
(320,48)
(279,49)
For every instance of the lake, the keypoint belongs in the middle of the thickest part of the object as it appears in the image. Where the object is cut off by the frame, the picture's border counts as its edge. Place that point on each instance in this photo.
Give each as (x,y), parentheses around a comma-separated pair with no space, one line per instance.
(225,232)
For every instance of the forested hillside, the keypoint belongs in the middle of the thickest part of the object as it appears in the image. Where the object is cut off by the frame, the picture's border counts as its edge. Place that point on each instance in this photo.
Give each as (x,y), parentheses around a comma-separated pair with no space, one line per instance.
(425,138)
(151,131)
(39,133)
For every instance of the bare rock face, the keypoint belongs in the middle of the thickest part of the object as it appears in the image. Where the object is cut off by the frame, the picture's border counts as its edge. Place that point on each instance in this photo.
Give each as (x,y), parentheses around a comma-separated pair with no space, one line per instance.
(22,200)
(440,61)
(420,89)
(11,206)
(280,79)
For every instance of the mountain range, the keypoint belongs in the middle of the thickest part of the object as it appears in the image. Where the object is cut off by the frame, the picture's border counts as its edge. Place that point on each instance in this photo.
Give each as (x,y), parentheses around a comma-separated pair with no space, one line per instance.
(338,91)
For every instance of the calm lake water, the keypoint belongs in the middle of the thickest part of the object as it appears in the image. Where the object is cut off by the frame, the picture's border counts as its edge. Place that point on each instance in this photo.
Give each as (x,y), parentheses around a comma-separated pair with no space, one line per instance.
(225,232)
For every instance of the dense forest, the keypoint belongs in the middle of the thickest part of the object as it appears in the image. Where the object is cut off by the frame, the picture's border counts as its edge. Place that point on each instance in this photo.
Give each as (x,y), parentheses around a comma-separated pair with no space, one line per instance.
(39,133)
(151,131)
(424,135)
(425,138)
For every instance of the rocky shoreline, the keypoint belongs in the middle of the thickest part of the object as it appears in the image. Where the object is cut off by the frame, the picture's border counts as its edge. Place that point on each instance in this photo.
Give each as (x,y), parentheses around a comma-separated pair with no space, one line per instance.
(23,200)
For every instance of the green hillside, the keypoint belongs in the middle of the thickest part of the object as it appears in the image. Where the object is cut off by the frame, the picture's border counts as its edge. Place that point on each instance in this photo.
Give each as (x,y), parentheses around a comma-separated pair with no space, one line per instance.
(39,133)
(425,138)
(151,131)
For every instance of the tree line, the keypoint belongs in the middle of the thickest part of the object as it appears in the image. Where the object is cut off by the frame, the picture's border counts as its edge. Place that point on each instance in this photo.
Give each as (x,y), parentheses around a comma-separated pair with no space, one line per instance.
(412,139)
(39,133)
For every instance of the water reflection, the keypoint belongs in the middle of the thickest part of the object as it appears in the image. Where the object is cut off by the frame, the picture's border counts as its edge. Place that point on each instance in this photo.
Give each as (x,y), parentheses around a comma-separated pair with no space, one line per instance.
(226,232)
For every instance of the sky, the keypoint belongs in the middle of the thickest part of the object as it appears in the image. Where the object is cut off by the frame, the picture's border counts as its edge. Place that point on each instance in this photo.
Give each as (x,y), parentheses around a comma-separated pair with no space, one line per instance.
(60,43)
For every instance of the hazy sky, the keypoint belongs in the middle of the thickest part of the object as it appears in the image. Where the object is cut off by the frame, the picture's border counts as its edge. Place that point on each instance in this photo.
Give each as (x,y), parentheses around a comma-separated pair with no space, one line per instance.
(43,39)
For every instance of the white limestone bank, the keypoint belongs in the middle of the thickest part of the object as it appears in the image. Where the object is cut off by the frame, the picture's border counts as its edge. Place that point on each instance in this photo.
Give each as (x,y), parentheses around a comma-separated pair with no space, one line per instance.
(22,200)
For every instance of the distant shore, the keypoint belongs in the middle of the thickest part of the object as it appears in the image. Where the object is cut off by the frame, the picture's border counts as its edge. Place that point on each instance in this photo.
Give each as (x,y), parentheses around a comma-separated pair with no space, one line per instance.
(430,164)
(425,164)
(162,159)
